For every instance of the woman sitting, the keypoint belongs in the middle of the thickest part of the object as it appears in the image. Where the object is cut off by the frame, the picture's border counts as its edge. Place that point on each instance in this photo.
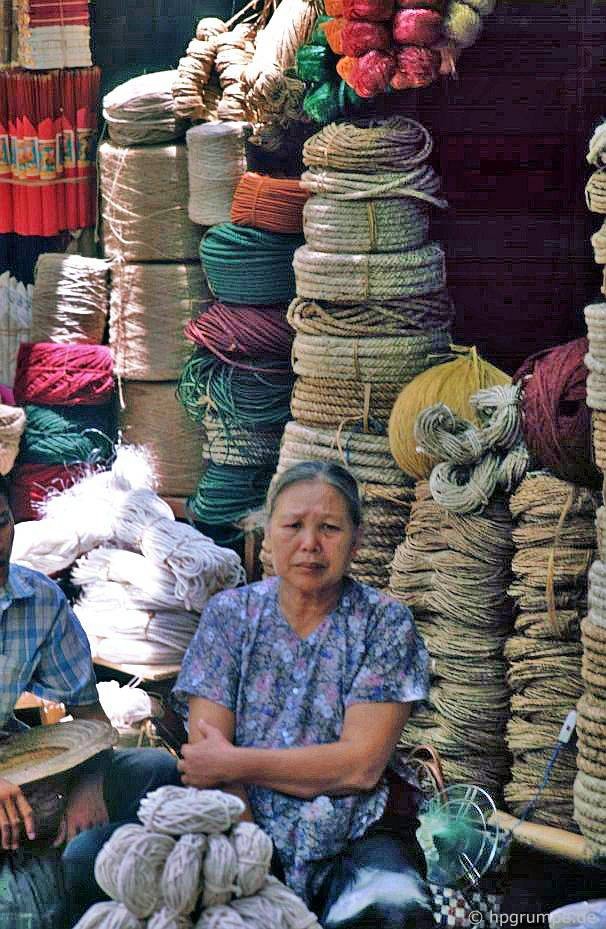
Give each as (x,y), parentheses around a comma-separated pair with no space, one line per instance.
(298,689)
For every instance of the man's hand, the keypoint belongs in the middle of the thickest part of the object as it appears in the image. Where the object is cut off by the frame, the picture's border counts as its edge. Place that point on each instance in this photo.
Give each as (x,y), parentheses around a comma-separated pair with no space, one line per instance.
(15,812)
(210,762)
(85,809)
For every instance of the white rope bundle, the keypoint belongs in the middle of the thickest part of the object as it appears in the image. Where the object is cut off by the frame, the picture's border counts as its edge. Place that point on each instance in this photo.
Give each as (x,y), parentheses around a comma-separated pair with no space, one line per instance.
(109,915)
(140,870)
(421,183)
(294,912)
(147,343)
(168,919)
(595,191)
(144,582)
(70,301)
(122,629)
(12,426)
(349,278)
(598,240)
(254,850)
(220,868)
(596,154)
(217,160)
(390,225)
(183,810)
(182,877)
(142,111)
(259,911)
(144,194)
(221,917)
(15,322)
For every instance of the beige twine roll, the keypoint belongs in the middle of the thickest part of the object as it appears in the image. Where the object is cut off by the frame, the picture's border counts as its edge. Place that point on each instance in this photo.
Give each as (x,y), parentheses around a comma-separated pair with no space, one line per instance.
(326,403)
(190,91)
(419,184)
(220,869)
(70,301)
(182,876)
(389,225)
(350,278)
(595,191)
(146,339)
(396,318)
(153,417)
(254,850)
(235,51)
(12,426)
(598,424)
(168,919)
(109,915)
(142,111)
(216,160)
(598,240)
(144,195)
(394,144)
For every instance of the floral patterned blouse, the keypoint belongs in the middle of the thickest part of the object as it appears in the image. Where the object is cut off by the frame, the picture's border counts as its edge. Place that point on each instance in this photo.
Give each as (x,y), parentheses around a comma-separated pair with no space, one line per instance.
(286,691)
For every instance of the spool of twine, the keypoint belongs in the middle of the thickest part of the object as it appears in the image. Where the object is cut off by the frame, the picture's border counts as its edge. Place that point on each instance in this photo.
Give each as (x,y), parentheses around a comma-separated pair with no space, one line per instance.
(146,341)
(598,240)
(271,203)
(12,424)
(389,225)
(142,111)
(70,300)
(595,191)
(394,144)
(69,375)
(216,161)
(154,418)
(386,317)
(144,194)
(350,278)
(326,402)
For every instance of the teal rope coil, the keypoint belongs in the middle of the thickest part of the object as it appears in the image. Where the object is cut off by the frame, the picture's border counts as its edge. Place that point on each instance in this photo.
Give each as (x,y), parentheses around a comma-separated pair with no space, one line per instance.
(63,435)
(226,494)
(239,398)
(249,266)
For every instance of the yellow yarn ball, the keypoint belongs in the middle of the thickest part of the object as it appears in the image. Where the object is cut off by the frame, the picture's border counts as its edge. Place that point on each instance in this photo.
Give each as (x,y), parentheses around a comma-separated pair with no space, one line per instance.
(452,383)
(461,25)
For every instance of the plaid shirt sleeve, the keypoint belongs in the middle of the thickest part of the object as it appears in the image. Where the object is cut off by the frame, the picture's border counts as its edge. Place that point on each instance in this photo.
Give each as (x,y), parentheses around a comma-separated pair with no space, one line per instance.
(65,671)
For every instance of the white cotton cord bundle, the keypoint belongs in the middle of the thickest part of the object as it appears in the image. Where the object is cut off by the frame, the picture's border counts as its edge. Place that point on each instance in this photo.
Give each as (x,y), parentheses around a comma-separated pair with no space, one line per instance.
(221,917)
(168,919)
(394,144)
(294,912)
(144,582)
(109,915)
(143,196)
(596,154)
(153,417)
(220,869)
(595,191)
(419,184)
(182,810)
(70,301)
(140,870)
(350,278)
(135,651)
(389,225)
(216,158)
(142,111)
(12,426)
(108,860)
(147,342)
(122,629)
(259,912)
(254,850)
(182,878)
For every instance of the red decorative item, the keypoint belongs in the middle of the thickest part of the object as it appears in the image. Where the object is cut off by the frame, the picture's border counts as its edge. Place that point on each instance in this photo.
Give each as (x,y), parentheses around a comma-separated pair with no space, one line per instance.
(333,30)
(374,71)
(373,10)
(417,27)
(359,37)
(333,7)
(49,374)
(417,67)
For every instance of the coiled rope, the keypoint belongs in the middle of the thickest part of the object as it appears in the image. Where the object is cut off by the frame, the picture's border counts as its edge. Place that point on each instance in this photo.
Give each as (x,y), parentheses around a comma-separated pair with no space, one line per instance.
(69,375)
(70,302)
(235,51)
(234,333)
(390,225)
(595,191)
(216,161)
(65,435)
(12,424)
(142,111)
(397,144)
(271,203)
(249,266)
(229,446)
(420,184)
(191,94)
(348,278)
(226,494)
(390,317)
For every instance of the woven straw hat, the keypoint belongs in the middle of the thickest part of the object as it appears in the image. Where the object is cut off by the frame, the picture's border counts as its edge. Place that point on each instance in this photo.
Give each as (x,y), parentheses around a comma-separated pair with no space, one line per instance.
(48,750)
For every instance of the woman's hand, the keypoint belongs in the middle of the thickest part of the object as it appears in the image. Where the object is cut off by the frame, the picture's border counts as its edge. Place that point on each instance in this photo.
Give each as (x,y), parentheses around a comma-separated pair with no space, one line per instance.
(211,761)
(15,812)
(85,809)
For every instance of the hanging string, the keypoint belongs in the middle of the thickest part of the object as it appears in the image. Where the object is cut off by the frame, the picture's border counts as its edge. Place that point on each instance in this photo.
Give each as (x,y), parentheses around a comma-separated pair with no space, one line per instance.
(271,203)
(69,375)
(234,333)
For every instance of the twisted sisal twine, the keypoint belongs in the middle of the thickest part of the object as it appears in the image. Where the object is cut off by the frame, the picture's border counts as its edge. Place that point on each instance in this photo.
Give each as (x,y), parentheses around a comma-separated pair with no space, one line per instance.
(153,417)
(396,144)
(142,111)
(326,403)
(70,300)
(597,146)
(595,191)
(147,342)
(234,52)
(216,161)
(144,195)
(193,99)
(389,225)
(598,240)
(386,318)
(418,184)
(231,446)
(12,426)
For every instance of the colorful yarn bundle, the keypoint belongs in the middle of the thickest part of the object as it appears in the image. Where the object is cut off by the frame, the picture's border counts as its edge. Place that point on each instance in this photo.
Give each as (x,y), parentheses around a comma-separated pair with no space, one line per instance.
(216,162)
(554,538)
(237,334)
(70,301)
(271,203)
(454,571)
(556,420)
(71,375)
(67,435)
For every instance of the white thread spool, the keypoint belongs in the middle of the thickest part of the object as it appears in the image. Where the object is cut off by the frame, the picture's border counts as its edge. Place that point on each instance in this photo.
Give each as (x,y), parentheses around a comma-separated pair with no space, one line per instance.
(216,159)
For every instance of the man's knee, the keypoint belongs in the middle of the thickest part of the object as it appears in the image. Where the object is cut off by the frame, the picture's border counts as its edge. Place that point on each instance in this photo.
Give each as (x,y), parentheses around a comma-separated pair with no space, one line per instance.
(381,899)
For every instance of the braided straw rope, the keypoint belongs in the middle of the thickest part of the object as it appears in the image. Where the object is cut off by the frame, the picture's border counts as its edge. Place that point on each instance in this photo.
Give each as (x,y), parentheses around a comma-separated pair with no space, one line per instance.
(154,418)
(147,343)
(386,318)
(70,301)
(396,144)
(326,403)
(142,111)
(235,50)
(598,424)
(193,98)
(350,278)
(595,191)
(598,240)
(420,183)
(389,225)
(144,195)
(216,161)
(12,425)
(390,360)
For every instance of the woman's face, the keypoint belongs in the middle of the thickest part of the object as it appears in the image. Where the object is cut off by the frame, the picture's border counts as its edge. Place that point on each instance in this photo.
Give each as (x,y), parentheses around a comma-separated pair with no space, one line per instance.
(312,536)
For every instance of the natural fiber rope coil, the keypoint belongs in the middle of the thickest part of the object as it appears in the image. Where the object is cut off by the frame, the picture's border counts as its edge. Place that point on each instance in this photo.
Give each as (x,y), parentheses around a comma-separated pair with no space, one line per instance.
(142,111)
(109,915)
(216,161)
(386,318)
(144,194)
(349,278)
(190,93)
(12,424)
(598,240)
(271,203)
(388,225)
(70,300)
(420,184)
(595,191)
(326,402)
(226,446)
(153,417)
(147,342)
(396,144)
(69,375)
(597,146)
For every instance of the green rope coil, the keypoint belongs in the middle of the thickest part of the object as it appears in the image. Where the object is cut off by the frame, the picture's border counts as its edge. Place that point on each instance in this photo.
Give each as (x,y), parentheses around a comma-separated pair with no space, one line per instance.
(330,100)
(240,398)
(226,494)
(63,435)
(315,63)
(249,266)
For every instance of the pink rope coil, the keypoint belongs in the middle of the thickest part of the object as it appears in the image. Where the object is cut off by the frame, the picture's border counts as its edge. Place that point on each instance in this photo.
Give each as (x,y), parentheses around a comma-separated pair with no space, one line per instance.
(236,333)
(67,375)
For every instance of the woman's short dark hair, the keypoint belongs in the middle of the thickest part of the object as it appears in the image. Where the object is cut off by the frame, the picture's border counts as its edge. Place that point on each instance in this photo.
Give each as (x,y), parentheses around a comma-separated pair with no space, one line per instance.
(327,471)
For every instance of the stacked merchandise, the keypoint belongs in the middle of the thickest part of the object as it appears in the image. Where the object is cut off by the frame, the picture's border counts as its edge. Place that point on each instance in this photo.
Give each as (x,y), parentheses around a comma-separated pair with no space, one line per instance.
(52,35)
(6,30)
(238,381)
(554,542)
(371,312)
(595,193)
(67,394)
(70,301)
(15,322)
(153,246)
(453,570)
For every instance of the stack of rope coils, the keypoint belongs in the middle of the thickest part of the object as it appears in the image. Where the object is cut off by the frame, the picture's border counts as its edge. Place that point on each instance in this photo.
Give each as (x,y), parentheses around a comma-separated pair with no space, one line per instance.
(595,193)
(554,540)
(67,394)
(157,284)
(595,361)
(238,382)
(454,571)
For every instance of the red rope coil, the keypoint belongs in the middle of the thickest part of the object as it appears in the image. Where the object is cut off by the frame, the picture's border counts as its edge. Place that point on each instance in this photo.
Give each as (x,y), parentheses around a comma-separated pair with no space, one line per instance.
(30,484)
(66,375)
(235,334)
(271,203)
